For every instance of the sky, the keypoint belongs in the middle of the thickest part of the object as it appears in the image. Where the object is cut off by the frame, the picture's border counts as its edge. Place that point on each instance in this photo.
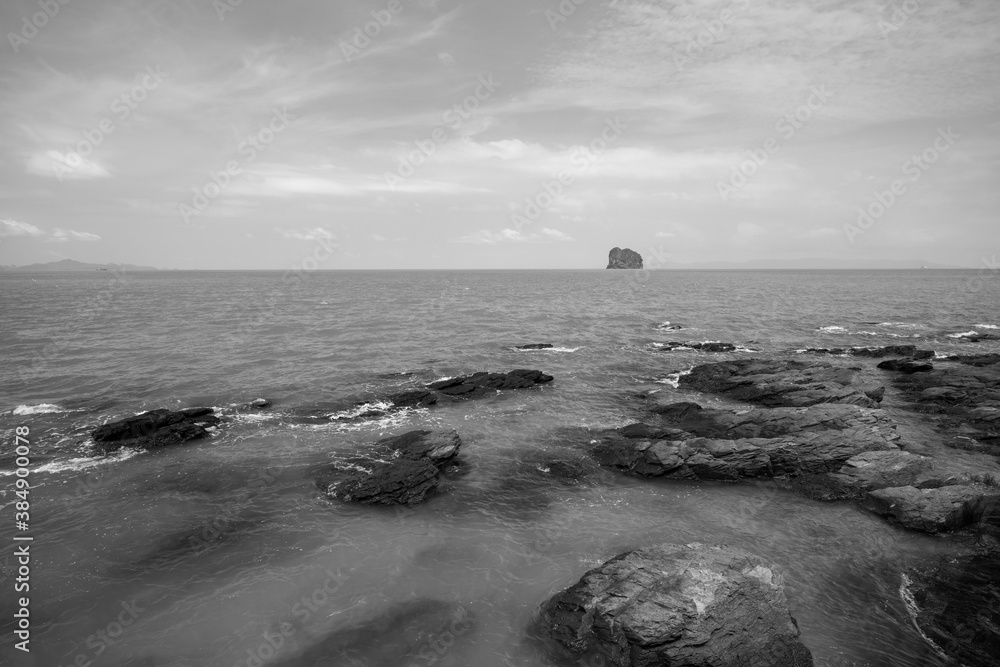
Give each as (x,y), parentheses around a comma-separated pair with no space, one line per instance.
(433,134)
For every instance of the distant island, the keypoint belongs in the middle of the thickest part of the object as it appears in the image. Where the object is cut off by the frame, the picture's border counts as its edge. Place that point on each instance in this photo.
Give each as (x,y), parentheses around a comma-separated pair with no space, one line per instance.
(624,259)
(73,265)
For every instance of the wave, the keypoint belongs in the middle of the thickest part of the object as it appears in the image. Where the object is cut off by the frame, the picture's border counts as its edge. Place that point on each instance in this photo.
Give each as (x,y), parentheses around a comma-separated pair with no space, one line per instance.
(674,379)
(964,334)
(836,329)
(81,463)
(913,611)
(986,326)
(40,409)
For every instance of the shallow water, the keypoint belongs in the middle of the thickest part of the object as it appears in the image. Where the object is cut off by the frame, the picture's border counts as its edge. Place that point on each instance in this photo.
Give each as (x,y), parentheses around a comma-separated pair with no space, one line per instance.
(212,546)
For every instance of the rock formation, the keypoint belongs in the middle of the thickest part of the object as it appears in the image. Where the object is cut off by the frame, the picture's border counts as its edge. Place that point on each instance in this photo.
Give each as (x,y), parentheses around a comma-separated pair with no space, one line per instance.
(155,428)
(678,605)
(624,259)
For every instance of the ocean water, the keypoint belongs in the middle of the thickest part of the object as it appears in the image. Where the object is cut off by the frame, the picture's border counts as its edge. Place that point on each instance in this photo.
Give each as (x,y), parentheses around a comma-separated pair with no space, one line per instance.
(209,549)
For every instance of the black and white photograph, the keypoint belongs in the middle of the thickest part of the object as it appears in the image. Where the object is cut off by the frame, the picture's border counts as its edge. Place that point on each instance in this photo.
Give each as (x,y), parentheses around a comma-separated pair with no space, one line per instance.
(500,333)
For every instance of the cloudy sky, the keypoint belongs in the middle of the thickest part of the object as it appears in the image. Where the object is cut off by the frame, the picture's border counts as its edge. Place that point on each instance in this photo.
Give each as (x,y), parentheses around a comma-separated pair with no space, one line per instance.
(485,134)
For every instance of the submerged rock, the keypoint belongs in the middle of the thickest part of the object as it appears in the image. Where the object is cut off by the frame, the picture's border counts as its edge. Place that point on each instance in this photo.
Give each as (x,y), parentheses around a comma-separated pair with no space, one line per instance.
(711,346)
(155,428)
(876,352)
(778,382)
(678,605)
(935,510)
(403,634)
(401,470)
(535,346)
(624,259)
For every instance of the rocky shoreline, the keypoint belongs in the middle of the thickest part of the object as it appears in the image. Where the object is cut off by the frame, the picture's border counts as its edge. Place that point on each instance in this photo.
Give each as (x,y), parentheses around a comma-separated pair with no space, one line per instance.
(821,427)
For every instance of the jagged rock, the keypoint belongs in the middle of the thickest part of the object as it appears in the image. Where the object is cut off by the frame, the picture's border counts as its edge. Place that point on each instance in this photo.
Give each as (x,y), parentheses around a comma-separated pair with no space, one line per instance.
(677,605)
(876,352)
(624,259)
(401,470)
(938,509)
(155,428)
(535,346)
(698,443)
(704,347)
(908,366)
(778,382)
(957,606)
(470,386)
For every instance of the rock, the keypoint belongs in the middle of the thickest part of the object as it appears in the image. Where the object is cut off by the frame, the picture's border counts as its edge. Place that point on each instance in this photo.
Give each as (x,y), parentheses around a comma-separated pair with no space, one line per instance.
(698,443)
(395,636)
(957,606)
(978,360)
(704,347)
(876,394)
(778,382)
(470,386)
(535,346)
(908,366)
(624,259)
(260,403)
(876,352)
(155,428)
(936,510)
(401,470)
(865,472)
(677,605)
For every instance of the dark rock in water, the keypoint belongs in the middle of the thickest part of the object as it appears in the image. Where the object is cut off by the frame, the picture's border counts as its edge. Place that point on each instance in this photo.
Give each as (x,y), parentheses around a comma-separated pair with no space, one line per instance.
(155,428)
(535,346)
(778,382)
(401,470)
(704,347)
(876,394)
(908,366)
(976,337)
(624,259)
(469,386)
(669,326)
(978,360)
(408,632)
(677,605)
(957,606)
(936,510)
(879,352)
(700,443)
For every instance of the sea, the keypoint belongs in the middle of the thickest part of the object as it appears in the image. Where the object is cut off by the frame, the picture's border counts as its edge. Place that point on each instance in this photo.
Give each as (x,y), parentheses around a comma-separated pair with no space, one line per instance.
(224,552)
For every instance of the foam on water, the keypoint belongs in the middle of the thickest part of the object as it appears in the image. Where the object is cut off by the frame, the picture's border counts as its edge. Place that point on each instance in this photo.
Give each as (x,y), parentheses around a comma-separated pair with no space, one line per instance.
(40,409)
(964,334)
(80,464)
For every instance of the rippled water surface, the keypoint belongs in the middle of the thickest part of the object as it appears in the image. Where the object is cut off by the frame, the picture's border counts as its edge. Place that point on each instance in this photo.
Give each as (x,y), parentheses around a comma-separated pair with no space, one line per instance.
(211,549)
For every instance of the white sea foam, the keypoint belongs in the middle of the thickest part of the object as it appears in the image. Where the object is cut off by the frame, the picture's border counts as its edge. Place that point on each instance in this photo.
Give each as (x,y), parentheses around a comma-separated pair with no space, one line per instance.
(352,413)
(40,409)
(964,334)
(913,610)
(80,463)
(833,329)
(986,326)
(548,349)
(674,379)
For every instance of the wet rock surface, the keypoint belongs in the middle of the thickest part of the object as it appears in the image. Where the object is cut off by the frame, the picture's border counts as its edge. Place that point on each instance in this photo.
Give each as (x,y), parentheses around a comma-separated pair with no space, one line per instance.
(401,470)
(156,428)
(779,382)
(677,605)
(467,387)
(957,607)
(910,351)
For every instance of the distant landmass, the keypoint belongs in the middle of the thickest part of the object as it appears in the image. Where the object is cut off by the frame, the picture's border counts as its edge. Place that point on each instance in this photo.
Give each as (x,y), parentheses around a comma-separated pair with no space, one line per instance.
(73,265)
(811,263)
(624,259)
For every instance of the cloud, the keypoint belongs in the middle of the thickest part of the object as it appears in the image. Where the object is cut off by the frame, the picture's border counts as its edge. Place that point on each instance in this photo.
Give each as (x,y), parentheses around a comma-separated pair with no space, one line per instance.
(12,228)
(486,237)
(18,228)
(60,235)
(65,165)
(315,234)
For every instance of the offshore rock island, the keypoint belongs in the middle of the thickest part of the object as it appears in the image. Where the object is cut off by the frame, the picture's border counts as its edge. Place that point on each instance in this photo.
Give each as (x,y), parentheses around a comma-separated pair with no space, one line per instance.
(624,259)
